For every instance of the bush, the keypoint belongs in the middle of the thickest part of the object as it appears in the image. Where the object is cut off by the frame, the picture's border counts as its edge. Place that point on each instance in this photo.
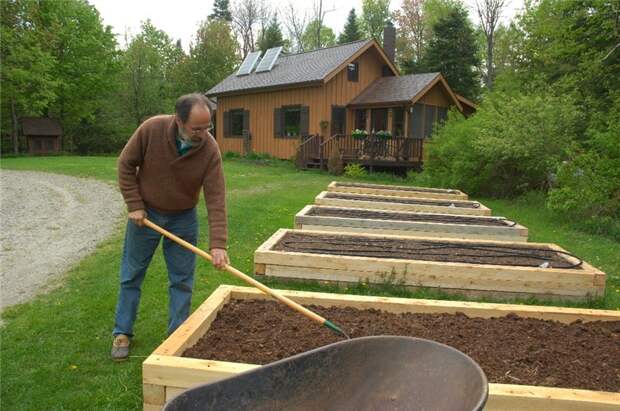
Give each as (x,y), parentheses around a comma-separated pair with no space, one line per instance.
(355,171)
(335,165)
(513,144)
(588,185)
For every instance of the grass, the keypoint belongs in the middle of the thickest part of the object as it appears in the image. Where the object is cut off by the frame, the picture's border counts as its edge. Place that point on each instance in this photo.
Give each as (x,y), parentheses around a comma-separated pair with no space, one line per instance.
(55,349)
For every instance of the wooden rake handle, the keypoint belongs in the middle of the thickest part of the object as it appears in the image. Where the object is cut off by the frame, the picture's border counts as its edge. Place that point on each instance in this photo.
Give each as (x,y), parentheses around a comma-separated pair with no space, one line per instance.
(292,304)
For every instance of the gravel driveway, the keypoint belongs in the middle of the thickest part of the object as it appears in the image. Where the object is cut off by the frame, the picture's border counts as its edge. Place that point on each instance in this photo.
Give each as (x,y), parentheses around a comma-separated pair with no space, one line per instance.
(48,223)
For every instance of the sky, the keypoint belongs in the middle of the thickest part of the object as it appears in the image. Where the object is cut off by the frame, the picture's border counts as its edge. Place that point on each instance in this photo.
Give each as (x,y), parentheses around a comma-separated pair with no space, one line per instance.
(180,18)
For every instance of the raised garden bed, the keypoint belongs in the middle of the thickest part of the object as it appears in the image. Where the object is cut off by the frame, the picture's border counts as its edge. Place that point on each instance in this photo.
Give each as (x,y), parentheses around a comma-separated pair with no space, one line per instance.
(167,372)
(470,267)
(357,220)
(376,202)
(394,190)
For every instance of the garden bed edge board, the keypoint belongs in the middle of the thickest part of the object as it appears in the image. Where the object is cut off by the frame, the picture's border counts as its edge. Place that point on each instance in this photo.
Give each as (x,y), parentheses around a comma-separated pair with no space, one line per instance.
(388,190)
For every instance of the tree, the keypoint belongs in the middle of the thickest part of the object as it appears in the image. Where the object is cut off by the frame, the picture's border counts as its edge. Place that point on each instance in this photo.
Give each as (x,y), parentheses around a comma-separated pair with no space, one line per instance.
(248,16)
(148,64)
(351,31)
(86,65)
(296,24)
(489,12)
(328,38)
(452,51)
(28,86)
(410,40)
(375,13)
(213,56)
(271,36)
(221,10)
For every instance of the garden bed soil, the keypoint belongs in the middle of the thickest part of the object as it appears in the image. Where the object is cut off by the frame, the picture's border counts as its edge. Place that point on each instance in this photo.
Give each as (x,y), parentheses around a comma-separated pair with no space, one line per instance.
(414,217)
(417,249)
(510,349)
(404,200)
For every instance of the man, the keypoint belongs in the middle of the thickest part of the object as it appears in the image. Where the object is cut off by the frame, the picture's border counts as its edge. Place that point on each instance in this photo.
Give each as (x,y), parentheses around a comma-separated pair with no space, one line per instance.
(160,173)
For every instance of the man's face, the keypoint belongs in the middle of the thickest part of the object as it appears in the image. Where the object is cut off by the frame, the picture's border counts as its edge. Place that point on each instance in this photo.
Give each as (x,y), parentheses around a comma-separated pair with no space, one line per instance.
(197,125)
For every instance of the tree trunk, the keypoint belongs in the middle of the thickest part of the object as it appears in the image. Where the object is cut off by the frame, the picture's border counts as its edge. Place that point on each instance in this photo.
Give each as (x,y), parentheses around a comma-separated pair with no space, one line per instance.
(490,70)
(14,133)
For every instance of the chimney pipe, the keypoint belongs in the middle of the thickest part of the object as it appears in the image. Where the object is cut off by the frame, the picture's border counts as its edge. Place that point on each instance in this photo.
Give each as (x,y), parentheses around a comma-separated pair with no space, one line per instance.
(389,40)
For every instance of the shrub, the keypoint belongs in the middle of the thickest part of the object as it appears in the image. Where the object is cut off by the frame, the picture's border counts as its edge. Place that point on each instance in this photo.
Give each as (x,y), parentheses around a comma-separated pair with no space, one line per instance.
(335,164)
(355,171)
(513,144)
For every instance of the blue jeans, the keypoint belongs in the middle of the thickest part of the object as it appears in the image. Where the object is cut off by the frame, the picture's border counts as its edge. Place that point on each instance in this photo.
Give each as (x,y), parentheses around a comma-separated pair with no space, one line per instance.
(140,245)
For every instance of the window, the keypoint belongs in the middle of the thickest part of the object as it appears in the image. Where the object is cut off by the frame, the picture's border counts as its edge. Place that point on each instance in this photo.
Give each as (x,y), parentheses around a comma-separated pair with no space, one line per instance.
(378,119)
(353,71)
(292,121)
(236,122)
(398,122)
(338,120)
(360,119)
(417,121)
(429,120)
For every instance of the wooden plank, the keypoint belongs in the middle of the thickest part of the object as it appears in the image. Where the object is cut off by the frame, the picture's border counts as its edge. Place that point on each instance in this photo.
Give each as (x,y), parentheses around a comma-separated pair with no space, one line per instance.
(178,373)
(154,394)
(175,371)
(195,326)
(395,190)
(508,397)
(172,392)
(152,407)
(377,205)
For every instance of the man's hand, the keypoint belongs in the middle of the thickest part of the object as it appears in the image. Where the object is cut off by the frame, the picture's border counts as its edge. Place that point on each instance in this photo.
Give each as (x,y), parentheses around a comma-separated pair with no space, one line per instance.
(137,217)
(220,258)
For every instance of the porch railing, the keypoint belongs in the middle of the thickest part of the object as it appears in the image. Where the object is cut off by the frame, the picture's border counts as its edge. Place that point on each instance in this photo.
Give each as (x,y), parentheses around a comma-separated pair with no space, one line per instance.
(372,149)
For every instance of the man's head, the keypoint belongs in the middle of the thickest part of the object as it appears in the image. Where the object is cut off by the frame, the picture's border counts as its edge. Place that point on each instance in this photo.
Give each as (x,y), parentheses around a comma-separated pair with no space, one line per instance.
(193,117)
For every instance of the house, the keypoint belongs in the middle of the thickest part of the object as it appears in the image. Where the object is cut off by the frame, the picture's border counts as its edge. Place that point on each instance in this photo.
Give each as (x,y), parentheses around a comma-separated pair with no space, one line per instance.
(286,103)
(42,135)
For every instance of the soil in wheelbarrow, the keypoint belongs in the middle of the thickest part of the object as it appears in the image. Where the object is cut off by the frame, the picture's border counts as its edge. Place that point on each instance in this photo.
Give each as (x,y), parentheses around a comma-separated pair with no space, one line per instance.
(401,200)
(399,188)
(410,249)
(510,349)
(414,217)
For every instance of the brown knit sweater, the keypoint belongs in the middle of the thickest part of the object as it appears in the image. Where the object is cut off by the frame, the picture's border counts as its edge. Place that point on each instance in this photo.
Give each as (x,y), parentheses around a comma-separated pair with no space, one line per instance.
(151,173)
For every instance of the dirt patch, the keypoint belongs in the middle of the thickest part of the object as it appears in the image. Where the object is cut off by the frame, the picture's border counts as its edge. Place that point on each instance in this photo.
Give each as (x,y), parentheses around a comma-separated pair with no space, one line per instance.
(399,188)
(49,223)
(418,217)
(410,249)
(443,203)
(510,350)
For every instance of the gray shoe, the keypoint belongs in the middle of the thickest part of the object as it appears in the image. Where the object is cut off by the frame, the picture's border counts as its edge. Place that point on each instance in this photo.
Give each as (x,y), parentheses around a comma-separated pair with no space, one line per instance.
(120,347)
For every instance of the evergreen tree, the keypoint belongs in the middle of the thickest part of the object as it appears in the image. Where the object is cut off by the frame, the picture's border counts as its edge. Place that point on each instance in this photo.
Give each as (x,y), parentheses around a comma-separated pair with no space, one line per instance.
(453,51)
(271,36)
(221,10)
(351,31)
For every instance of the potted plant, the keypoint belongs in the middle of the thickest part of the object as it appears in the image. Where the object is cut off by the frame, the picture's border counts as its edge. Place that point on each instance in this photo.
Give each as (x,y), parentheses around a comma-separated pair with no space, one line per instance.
(383,135)
(359,134)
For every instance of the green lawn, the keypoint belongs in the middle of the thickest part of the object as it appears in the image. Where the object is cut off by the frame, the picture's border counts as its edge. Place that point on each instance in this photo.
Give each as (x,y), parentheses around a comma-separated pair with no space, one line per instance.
(55,349)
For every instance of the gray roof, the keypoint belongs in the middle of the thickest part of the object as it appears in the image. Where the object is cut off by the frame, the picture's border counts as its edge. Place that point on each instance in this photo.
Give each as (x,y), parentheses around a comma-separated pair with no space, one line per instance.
(292,69)
(41,126)
(394,89)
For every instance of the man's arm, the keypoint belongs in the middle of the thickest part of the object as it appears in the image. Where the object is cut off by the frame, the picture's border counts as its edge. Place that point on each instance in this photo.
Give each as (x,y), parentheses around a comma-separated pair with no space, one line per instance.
(129,161)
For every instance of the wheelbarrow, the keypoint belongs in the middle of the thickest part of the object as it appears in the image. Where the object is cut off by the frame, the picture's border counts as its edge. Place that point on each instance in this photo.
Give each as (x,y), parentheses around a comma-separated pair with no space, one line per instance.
(368,373)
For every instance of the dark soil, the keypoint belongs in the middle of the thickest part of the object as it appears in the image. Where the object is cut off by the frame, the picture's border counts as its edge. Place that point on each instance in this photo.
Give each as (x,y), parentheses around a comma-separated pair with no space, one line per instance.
(444,203)
(399,188)
(510,350)
(395,216)
(410,249)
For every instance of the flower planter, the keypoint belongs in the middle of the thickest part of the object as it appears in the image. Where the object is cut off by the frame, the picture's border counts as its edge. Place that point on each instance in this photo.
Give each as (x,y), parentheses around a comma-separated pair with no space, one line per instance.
(166,373)
(394,190)
(357,220)
(472,267)
(377,202)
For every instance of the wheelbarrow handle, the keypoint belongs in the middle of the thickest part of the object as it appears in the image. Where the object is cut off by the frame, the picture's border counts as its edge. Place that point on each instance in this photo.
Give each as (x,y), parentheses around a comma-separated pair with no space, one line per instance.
(292,304)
